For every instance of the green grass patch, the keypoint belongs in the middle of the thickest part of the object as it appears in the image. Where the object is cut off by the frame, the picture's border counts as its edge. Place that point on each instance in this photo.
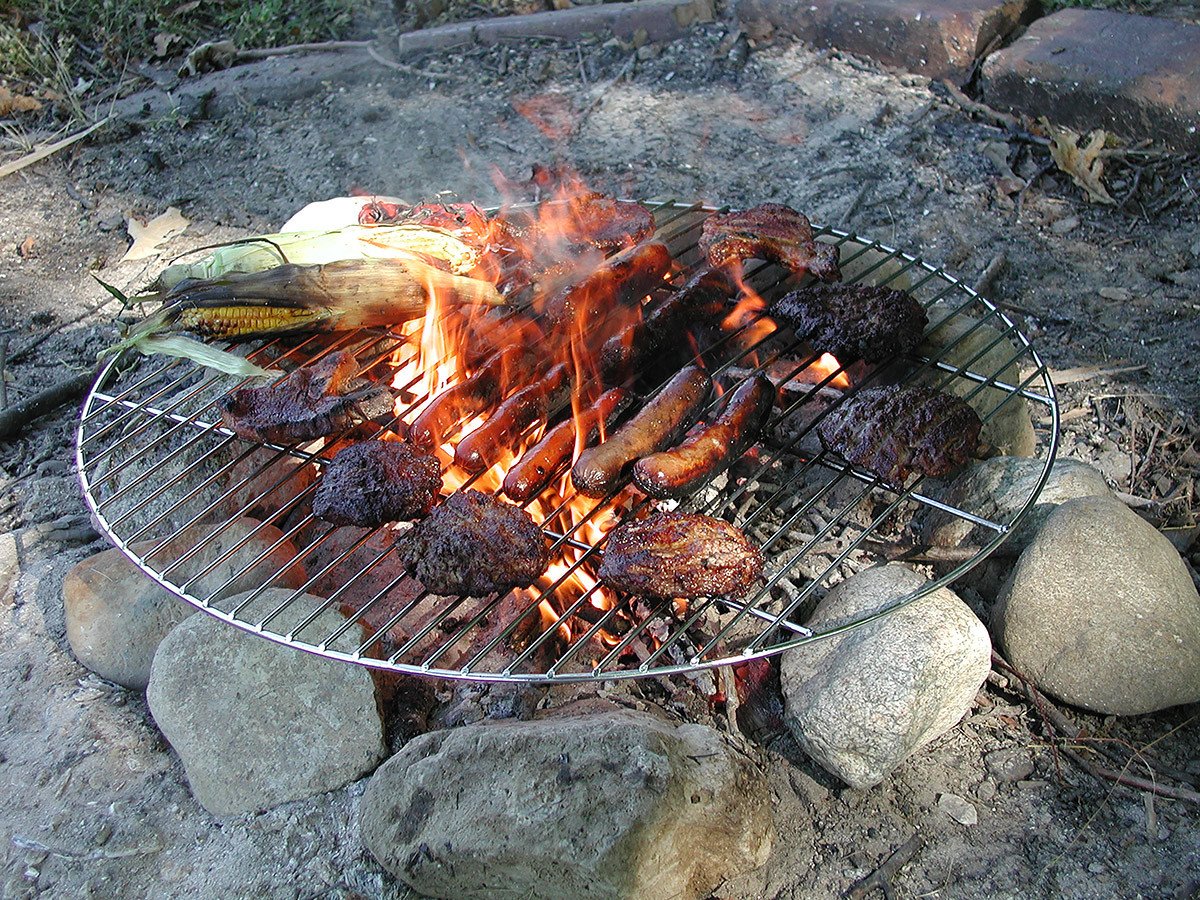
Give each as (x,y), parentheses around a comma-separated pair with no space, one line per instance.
(44,43)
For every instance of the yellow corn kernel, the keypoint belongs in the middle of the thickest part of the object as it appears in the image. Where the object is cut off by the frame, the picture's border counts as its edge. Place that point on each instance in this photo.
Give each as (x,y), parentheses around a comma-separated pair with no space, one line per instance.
(236,321)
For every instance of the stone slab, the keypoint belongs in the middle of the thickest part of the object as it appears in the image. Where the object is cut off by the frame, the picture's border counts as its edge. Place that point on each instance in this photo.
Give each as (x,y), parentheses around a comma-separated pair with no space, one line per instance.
(938,38)
(1136,76)
(636,22)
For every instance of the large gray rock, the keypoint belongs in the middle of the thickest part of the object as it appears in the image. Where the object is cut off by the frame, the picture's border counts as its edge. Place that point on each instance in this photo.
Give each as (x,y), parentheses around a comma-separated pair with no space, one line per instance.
(607,805)
(1101,612)
(959,340)
(860,703)
(256,723)
(116,615)
(997,488)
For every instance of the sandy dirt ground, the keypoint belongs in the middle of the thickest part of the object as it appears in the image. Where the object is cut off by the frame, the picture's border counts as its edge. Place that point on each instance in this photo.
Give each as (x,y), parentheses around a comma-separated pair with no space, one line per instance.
(93,802)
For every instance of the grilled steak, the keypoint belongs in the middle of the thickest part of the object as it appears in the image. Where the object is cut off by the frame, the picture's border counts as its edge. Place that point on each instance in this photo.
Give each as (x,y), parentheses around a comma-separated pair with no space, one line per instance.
(473,545)
(773,232)
(306,404)
(854,321)
(375,482)
(894,431)
(680,555)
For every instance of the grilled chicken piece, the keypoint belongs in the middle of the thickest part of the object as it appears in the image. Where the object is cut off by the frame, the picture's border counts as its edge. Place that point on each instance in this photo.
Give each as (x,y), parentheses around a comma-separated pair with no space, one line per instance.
(680,555)
(374,482)
(773,232)
(854,321)
(307,404)
(473,545)
(894,431)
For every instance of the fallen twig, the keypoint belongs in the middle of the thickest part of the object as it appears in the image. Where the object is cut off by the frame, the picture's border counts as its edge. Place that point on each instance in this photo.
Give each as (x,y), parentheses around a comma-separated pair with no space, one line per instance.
(1004,120)
(882,877)
(49,150)
(411,70)
(16,417)
(990,274)
(1063,727)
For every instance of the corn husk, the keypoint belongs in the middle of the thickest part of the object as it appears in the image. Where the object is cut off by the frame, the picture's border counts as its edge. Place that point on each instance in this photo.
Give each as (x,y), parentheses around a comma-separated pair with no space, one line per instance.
(338,296)
(307,248)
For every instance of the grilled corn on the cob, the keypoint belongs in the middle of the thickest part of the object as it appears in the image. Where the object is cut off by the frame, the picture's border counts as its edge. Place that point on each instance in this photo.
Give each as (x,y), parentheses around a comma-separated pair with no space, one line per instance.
(306,248)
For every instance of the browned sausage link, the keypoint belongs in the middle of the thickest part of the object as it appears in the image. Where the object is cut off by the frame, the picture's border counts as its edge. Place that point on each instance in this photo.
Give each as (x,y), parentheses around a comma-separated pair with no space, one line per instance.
(622,278)
(470,397)
(485,444)
(626,350)
(537,467)
(674,473)
(657,425)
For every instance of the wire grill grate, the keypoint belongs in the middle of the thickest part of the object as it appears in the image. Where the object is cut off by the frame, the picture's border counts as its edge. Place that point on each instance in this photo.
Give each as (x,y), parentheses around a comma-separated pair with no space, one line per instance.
(154,462)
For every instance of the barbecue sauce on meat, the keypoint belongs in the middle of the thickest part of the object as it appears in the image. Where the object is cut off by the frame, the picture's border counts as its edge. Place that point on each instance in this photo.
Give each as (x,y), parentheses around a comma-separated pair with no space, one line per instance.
(373,482)
(769,231)
(680,555)
(894,431)
(854,321)
(473,545)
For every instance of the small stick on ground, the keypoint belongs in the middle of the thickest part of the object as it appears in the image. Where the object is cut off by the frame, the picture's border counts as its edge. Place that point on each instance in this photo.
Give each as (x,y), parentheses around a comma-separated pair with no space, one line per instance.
(882,877)
(990,274)
(16,417)
(4,372)
(1063,727)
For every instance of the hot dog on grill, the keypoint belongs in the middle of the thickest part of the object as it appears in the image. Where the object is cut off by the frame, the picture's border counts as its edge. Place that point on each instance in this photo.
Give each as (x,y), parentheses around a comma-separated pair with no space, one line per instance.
(536,468)
(467,398)
(659,423)
(673,473)
(627,349)
(622,278)
(483,446)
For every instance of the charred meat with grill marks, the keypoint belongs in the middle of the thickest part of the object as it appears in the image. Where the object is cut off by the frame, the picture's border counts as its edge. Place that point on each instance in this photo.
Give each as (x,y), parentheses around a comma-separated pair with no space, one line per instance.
(854,321)
(473,545)
(773,232)
(373,482)
(894,431)
(680,555)
(307,403)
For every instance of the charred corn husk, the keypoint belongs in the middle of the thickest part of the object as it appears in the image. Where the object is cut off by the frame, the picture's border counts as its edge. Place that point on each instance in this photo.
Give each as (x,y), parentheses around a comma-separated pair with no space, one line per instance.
(307,248)
(334,297)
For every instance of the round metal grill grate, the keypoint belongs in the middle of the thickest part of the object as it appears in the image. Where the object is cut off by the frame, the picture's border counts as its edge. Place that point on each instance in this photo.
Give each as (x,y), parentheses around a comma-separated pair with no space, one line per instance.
(170,487)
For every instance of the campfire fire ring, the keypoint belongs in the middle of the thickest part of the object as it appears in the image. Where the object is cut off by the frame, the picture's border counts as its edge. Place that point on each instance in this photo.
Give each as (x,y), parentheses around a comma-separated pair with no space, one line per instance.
(156,465)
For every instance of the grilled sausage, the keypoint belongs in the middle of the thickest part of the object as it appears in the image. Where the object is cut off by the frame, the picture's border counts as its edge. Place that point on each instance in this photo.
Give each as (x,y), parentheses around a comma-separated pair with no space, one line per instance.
(536,468)
(628,348)
(674,473)
(657,425)
(622,278)
(467,398)
(483,446)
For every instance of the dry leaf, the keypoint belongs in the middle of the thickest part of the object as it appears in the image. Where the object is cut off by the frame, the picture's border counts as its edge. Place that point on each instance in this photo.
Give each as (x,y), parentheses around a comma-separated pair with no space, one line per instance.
(1083,164)
(25,248)
(15,103)
(163,41)
(146,238)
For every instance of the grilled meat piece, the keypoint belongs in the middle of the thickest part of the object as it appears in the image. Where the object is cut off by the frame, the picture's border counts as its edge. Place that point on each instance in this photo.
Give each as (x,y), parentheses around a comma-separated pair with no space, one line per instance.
(894,431)
(373,482)
(854,321)
(773,232)
(622,279)
(308,403)
(473,545)
(680,555)
(609,224)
